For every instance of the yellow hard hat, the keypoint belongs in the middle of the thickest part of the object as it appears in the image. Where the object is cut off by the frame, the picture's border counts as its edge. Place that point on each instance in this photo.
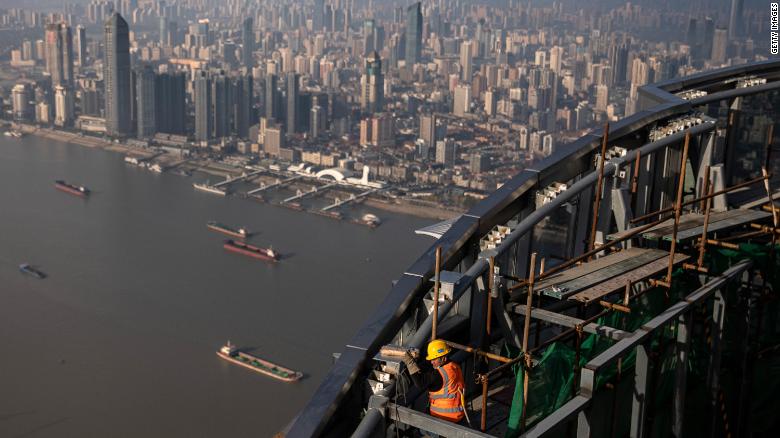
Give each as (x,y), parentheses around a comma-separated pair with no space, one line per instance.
(437,348)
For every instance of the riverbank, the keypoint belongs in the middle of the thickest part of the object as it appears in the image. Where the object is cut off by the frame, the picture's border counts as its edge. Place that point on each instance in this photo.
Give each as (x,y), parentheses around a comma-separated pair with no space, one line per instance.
(220,170)
(82,140)
(402,207)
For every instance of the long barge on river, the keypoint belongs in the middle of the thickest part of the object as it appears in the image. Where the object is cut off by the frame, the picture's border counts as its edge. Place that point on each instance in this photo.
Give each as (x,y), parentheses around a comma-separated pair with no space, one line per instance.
(230,353)
(71,189)
(240,233)
(266,254)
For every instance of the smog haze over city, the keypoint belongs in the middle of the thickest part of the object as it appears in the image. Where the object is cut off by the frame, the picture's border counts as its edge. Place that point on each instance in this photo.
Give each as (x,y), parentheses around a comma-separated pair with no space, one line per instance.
(250,217)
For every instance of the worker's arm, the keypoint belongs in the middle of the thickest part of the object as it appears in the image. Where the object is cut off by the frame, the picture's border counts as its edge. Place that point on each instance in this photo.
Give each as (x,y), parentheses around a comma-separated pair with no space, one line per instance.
(429,379)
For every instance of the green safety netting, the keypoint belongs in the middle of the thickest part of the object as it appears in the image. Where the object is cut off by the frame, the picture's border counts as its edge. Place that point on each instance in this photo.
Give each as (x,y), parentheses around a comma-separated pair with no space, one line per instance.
(551,380)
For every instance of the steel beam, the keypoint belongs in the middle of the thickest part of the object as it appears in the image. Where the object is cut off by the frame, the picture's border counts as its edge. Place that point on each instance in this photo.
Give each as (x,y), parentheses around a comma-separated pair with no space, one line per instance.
(571,322)
(621,208)
(583,424)
(713,372)
(560,416)
(505,322)
(683,347)
(587,388)
(478,312)
(431,424)
(640,398)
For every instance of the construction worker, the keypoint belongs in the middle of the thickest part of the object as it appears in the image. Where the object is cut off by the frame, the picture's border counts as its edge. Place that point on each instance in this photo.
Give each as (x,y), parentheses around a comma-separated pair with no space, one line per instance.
(444,382)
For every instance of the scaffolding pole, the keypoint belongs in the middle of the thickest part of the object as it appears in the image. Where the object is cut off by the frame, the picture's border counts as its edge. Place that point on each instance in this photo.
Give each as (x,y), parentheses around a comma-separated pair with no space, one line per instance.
(599,186)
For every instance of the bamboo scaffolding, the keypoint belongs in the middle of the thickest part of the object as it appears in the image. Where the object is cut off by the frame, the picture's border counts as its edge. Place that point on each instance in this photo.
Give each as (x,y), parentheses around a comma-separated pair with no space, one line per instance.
(708,207)
(722,244)
(526,330)
(479,352)
(635,178)
(599,186)
(491,274)
(677,210)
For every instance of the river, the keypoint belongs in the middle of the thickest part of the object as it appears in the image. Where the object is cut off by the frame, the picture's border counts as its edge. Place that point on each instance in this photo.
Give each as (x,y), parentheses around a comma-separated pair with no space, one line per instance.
(120,339)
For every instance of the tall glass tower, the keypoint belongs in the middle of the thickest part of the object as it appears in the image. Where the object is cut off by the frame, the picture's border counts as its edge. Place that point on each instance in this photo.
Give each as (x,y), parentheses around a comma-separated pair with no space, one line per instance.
(116,75)
(413,34)
(248,35)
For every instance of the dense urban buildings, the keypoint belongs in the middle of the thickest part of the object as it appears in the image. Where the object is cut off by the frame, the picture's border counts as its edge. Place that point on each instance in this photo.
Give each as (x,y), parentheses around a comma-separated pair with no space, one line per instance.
(480,113)
(503,82)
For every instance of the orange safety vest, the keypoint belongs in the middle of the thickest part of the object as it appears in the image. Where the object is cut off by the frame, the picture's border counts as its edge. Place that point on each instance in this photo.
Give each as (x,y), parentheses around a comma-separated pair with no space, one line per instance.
(446,402)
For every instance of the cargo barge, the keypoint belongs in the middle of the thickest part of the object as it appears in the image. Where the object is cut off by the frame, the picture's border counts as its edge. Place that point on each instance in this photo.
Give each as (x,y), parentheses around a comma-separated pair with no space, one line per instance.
(24,268)
(240,233)
(230,353)
(266,254)
(70,188)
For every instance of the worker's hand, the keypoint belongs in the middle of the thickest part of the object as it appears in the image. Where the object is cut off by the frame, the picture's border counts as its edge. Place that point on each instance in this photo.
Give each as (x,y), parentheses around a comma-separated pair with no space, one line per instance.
(411,364)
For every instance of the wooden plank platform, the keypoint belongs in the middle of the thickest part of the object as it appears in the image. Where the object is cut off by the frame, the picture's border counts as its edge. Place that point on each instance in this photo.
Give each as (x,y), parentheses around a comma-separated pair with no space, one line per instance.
(691,224)
(618,283)
(745,217)
(592,273)
(585,268)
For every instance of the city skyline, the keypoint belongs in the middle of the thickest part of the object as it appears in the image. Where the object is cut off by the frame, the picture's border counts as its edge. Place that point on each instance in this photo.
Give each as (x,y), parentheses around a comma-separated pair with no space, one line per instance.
(599,179)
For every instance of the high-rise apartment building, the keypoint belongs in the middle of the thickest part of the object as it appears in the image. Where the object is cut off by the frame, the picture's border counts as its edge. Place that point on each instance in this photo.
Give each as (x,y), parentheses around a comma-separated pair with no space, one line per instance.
(293,94)
(221,103)
(461,100)
(445,152)
(272,98)
(491,102)
(58,41)
(81,45)
(202,98)
(170,105)
(720,41)
(248,37)
(145,102)
(372,85)
(466,54)
(428,129)
(21,95)
(64,111)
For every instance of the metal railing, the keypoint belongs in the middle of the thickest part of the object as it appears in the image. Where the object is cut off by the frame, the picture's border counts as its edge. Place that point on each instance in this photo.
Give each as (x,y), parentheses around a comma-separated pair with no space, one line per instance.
(513,199)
